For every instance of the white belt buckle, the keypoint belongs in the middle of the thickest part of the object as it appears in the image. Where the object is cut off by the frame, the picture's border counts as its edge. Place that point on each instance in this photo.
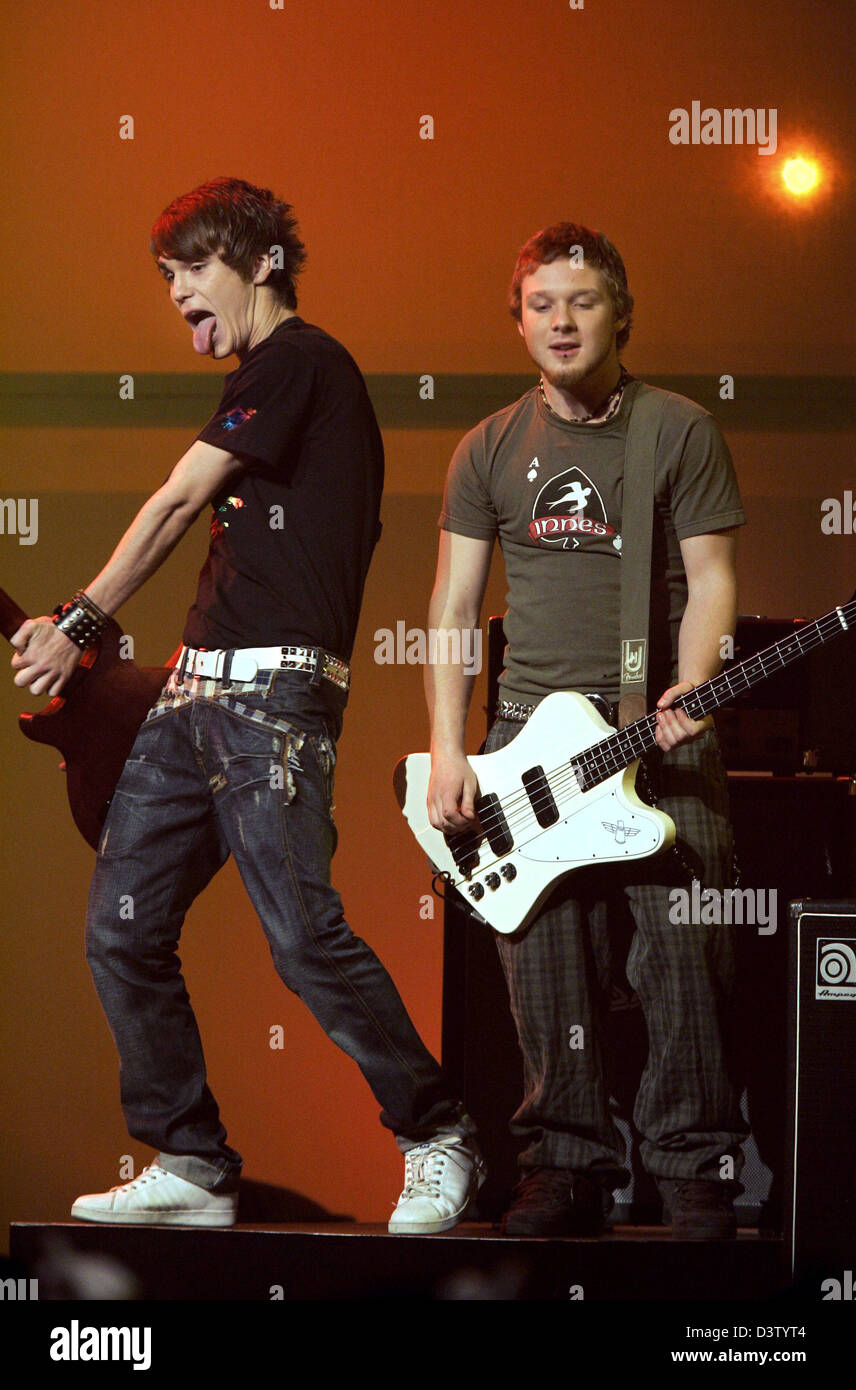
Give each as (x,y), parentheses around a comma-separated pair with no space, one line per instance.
(195,659)
(208,665)
(244,667)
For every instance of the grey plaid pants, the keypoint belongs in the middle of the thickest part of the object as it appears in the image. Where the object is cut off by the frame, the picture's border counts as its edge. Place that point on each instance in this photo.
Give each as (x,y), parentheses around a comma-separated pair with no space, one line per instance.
(559,973)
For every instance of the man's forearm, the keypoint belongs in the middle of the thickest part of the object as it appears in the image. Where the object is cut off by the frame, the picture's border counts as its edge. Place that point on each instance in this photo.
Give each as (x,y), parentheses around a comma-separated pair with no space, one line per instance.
(153,534)
(449,685)
(448,690)
(709,617)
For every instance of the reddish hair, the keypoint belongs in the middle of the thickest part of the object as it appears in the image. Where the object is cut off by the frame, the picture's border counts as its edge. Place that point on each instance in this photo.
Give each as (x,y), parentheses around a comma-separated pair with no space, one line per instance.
(240,222)
(554,242)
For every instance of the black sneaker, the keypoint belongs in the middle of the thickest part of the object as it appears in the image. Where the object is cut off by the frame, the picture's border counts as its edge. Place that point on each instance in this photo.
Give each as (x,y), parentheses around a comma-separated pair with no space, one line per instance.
(556,1202)
(700,1208)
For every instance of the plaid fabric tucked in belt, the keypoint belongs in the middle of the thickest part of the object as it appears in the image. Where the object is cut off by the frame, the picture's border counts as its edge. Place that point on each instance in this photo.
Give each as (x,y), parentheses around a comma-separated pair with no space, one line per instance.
(177,692)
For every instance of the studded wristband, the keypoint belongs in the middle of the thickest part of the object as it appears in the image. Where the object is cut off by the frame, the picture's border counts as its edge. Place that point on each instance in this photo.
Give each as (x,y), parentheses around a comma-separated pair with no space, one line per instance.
(81,620)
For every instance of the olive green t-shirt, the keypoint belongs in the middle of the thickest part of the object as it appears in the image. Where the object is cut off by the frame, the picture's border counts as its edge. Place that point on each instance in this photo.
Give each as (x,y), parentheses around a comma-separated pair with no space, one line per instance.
(551,491)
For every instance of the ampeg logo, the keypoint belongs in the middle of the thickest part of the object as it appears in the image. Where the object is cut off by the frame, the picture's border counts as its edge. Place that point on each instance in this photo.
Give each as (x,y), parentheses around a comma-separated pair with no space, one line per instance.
(567,510)
(836,968)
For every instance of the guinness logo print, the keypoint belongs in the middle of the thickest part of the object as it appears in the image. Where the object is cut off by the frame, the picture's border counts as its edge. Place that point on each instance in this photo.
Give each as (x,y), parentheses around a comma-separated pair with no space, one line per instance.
(568,510)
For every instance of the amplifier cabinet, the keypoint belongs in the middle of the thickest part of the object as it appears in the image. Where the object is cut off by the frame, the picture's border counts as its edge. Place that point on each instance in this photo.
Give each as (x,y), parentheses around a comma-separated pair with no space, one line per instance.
(821,1198)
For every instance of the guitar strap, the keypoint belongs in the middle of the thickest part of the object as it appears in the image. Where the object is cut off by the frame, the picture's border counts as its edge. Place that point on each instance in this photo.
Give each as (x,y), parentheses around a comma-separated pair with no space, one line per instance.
(637,521)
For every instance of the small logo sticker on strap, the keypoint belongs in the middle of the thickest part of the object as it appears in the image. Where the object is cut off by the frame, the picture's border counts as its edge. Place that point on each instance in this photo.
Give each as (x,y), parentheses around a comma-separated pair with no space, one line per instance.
(633,659)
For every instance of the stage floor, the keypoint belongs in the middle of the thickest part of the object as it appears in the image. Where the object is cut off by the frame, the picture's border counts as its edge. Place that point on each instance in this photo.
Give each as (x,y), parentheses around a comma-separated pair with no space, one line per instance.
(303,1261)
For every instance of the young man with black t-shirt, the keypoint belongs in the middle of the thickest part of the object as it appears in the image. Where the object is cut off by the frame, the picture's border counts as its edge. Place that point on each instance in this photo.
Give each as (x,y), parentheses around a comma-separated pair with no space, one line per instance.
(546,477)
(238,754)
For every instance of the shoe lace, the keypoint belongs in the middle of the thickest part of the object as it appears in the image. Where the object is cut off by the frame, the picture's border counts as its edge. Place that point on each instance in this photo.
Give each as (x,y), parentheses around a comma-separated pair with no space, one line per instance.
(150,1173)
(424,1167)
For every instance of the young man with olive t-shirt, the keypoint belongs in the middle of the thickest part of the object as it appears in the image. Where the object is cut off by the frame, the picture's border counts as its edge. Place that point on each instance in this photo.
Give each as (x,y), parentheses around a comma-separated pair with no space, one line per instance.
(545,477)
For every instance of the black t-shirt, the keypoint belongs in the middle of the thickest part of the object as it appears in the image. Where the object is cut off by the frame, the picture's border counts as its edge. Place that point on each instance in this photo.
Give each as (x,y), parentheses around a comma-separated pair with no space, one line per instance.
(292,536)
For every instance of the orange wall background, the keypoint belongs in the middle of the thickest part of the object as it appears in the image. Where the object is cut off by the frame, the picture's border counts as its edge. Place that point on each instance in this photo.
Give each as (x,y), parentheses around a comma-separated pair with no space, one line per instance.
(541,112)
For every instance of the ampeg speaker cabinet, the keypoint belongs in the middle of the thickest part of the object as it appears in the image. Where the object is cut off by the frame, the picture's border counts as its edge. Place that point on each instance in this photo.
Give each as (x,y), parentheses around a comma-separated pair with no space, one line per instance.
(821,1205)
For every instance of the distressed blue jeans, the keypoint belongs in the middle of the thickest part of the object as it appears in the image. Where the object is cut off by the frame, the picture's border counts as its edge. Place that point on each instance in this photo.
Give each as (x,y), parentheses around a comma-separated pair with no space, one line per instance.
(243,769)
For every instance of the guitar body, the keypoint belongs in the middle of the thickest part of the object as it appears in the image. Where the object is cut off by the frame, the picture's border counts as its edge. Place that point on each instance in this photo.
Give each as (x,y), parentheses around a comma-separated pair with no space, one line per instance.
(94,721)
(605,824)
(563,793)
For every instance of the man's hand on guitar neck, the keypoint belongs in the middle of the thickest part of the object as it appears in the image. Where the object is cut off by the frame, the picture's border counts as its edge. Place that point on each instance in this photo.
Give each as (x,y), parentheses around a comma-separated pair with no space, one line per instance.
(44,657)
(674,726)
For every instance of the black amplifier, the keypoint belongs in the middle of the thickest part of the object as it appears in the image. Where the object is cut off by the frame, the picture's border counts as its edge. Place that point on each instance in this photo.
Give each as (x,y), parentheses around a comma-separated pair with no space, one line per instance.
(821,1202)
(799,720)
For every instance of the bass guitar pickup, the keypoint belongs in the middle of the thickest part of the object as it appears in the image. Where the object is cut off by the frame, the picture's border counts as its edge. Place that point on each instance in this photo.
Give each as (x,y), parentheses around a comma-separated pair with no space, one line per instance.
(542,799)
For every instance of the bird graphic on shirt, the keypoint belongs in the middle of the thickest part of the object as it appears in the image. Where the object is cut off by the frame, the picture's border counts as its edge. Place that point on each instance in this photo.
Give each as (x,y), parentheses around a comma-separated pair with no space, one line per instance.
(575,497)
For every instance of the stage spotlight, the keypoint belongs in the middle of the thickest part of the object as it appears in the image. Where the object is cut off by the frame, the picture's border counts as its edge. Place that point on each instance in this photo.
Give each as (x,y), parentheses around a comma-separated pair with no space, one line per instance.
(800,176)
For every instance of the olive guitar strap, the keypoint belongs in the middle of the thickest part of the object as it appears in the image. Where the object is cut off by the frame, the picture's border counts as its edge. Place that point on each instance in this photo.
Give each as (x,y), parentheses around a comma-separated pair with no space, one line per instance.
(637,520)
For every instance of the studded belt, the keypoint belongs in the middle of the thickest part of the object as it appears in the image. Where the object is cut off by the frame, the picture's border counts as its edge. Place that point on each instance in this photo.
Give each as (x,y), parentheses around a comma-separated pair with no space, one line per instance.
(518,711)
(244,663)
(515,710)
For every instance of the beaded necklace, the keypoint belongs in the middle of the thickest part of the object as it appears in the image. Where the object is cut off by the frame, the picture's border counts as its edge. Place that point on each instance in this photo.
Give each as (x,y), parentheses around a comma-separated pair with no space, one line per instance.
(604,412)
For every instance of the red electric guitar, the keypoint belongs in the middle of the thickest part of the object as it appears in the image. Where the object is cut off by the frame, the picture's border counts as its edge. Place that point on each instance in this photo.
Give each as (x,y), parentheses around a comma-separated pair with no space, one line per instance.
(94,721)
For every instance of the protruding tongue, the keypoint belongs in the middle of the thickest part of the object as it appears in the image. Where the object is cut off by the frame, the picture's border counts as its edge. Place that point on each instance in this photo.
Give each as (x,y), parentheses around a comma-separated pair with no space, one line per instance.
(203,334)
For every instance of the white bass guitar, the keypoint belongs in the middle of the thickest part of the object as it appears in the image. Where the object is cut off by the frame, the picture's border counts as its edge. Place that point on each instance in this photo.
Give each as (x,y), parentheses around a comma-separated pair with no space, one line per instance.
(563,795)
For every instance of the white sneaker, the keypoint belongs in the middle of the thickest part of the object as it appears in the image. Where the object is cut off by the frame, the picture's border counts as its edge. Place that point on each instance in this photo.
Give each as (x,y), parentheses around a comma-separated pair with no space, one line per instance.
(440,1178)
(158,1198)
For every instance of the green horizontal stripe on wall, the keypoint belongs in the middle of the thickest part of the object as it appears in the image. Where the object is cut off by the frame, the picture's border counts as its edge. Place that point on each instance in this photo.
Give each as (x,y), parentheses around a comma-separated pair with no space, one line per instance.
(165,400)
